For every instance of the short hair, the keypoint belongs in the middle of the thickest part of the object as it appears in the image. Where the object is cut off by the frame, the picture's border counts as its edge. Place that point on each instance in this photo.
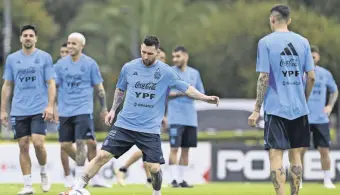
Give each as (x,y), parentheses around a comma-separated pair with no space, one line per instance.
(151,41)
(29,27)
(79,36)
(162,49)
(64,45)
(314,48)
(283,10)
(180,48)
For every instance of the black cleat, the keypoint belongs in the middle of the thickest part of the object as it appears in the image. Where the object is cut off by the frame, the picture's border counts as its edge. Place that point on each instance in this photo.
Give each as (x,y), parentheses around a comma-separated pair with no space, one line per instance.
(184,184)
(174,184)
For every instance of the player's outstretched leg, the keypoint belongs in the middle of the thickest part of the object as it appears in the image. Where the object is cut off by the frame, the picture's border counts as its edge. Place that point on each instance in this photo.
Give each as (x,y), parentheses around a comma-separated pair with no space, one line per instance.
(64,156)
(277,172)
(25,164)
(326,166)
(40,152)
(295,170)
(97,180)
(157,177)
(80,157)
(120,174)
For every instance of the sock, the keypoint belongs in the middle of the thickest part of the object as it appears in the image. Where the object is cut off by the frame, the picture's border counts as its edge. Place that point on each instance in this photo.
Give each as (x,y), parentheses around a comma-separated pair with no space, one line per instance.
(174,172)
(80,184)
(182,172)
(156,192)
(28,180)
(68,178)
(43,169)
(123,169)
(157,179)
(327,175)
(149,180)
(79,171)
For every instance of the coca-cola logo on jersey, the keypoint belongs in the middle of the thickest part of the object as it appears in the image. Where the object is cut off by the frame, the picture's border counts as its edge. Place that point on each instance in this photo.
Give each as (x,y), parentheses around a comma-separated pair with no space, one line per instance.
(148,86)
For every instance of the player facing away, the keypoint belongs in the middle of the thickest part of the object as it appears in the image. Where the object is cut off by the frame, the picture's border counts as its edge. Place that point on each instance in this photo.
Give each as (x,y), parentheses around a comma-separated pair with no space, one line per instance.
(30,71)
(146,82)
(120,174)
(76,76)
(182,118)
(282,59)
(319,113)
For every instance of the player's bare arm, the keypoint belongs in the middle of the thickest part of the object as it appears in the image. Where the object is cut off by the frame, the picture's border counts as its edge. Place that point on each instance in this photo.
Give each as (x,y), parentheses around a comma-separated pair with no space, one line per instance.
(310,83)
(5,95)
(331,102)
(102,100)
(262,85)
(48,113)
(117,100)
(173,95)
(195,94)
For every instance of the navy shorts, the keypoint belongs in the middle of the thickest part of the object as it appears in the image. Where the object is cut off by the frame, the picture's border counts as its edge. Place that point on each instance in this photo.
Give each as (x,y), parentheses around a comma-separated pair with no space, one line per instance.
(28,125)
(321,135)
(74,128)
(121,140)
(281,133)
(182,136)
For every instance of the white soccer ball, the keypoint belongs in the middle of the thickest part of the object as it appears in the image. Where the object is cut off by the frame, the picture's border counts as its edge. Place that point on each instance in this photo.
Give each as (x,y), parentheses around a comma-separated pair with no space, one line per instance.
(79,192)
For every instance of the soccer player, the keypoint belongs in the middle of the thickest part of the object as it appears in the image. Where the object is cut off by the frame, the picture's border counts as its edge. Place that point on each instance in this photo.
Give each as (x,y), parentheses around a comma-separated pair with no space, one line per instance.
(76,76)
(182,118)
(282,59)
(145,81)
(30,71)
(120,174)
(318,116)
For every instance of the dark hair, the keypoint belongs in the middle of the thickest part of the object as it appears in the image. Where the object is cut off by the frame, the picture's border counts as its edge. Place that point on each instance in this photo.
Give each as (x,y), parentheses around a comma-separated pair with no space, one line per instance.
(64,45)
(314,48)
(283,10)
(180,48)
(162,49)
(151,41)
(29,27)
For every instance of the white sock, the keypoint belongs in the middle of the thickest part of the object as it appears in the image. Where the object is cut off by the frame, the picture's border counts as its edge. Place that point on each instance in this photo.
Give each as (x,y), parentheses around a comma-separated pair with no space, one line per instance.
(174,172)
(327,175)
(79,171)
(80,184)
(156,192)
(182,172)
(68,178)
(43,169)
(28,180)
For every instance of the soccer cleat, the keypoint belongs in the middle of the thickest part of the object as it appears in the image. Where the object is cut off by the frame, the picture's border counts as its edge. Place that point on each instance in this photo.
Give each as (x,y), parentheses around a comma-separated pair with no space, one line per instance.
(69,182)
(329,185)
(97,181)
(26,191)
(45,182)
(174,184)
(184,184)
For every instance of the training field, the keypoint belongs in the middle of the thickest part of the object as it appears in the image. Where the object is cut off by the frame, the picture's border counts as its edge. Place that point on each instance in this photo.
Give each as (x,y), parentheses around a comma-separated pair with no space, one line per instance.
(207,189)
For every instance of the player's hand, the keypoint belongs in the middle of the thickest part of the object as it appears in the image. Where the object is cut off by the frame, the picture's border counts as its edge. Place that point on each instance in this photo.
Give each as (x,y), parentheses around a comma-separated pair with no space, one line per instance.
(4,118)
(253,118)
(109,118)
(103,114)
(212,100)
(48,113)
(327,110)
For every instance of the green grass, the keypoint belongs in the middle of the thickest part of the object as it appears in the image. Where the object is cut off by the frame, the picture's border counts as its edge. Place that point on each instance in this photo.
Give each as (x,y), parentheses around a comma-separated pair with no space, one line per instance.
(208,189)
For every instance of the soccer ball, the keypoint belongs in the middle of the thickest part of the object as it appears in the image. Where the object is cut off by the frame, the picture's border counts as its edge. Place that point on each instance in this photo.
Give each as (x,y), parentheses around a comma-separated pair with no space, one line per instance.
(79,192)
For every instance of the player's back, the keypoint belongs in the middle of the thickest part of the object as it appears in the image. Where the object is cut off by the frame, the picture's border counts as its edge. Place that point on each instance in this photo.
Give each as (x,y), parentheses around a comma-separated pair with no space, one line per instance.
(289,56)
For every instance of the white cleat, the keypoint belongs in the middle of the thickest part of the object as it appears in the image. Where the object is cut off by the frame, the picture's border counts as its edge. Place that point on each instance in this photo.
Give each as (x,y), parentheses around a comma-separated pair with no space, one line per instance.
(120,178)
(329,185)
(69,182)
(26,190)
(97,181)
(45,183)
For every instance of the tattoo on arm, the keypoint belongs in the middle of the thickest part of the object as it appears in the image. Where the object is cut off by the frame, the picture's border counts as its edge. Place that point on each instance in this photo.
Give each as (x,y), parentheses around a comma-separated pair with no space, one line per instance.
(332,98)
(117,99)
(102,98)
(262,84)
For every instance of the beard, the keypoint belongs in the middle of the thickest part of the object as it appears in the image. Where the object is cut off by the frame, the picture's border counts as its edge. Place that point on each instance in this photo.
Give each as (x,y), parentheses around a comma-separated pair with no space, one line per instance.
(28,45)
(148,62)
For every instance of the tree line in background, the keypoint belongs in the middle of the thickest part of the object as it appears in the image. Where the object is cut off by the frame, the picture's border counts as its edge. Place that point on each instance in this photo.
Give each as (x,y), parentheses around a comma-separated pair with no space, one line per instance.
(221,35)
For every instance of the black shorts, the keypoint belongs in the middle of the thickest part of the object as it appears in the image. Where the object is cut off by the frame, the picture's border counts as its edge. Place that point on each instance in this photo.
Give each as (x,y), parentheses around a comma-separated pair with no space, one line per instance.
(28,125)
(182,136)
(74,128)
(321,135)
(281,133)
(121,140)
